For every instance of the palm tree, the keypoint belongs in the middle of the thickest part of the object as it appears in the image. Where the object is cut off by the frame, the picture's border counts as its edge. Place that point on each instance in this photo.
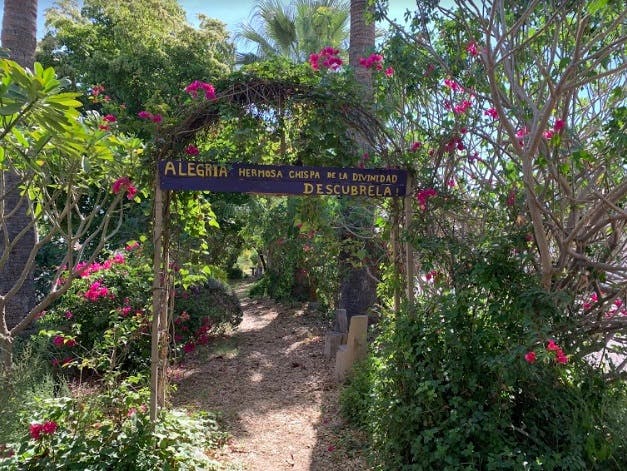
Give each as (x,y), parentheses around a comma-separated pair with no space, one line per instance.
(295,30)
(19,28)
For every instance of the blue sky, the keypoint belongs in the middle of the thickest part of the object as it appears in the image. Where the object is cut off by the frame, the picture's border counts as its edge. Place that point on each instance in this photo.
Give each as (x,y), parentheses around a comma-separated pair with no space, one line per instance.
(231,12)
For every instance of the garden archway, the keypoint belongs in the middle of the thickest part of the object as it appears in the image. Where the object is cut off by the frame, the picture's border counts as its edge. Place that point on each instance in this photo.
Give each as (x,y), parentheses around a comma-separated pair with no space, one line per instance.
(263,97)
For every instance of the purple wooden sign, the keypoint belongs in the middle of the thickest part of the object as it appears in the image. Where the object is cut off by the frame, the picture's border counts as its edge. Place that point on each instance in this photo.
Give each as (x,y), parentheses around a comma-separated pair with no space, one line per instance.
(281,179)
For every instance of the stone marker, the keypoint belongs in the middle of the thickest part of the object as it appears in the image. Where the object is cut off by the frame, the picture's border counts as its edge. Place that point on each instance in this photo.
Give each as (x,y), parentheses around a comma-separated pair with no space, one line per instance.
(356,347)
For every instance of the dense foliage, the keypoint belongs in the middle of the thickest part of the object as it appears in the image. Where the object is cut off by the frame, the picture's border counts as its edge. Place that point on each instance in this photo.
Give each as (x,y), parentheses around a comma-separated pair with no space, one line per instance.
(479,378)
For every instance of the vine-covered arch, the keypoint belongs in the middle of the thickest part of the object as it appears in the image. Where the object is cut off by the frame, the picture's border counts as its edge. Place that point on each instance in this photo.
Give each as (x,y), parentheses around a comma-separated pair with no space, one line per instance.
(245,93)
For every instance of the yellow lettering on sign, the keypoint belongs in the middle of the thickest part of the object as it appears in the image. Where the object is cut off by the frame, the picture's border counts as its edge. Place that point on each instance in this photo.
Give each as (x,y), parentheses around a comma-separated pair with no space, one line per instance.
(169,169)
(308,189)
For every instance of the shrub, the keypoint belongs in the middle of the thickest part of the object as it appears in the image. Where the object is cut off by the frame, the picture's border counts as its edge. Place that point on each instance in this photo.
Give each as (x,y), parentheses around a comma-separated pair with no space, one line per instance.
(452,384)
(111,430)
(103,322)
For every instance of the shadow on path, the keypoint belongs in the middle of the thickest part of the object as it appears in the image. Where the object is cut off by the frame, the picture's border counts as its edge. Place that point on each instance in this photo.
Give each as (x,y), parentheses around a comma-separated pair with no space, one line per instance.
(272,384)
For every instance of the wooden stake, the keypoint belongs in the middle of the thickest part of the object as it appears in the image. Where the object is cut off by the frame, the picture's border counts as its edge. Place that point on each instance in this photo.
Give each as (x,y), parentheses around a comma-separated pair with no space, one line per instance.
(157,292)
(409,252)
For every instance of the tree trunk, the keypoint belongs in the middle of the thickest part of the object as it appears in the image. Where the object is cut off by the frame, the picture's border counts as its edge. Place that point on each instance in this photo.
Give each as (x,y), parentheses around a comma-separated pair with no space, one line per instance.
(19,28)
(358,287)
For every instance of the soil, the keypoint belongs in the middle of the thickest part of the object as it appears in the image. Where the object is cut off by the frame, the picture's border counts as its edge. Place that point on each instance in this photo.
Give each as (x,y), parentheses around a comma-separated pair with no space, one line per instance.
(273,386)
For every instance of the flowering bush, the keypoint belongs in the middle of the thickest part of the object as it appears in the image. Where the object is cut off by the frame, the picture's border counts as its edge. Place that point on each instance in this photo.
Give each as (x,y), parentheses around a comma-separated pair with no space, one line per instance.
(462,381)
(110,429)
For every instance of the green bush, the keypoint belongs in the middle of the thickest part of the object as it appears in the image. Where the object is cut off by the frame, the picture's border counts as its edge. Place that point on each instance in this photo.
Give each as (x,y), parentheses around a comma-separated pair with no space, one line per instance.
(452,384)
(111,430)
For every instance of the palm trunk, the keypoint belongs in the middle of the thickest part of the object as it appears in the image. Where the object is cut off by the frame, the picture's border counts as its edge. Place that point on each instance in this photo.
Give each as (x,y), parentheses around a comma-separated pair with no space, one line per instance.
(358,286)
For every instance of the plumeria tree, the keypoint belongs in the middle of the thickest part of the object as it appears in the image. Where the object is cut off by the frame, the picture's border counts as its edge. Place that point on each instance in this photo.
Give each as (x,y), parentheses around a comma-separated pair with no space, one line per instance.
(520,110)
(71,169)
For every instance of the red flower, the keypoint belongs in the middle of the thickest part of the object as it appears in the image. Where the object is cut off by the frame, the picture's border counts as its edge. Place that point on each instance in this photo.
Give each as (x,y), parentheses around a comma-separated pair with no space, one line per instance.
(530,357)
(49,427)
(389,71)
(561,358)
(313,60)
(196,85)
(144,114)
(189,347)
(58,340)
(548,134)
(552,346)
(192,150)
(109,118)
(415,146)
(156,118)
(559,125)
(492,113)
(472,48)
(35,431)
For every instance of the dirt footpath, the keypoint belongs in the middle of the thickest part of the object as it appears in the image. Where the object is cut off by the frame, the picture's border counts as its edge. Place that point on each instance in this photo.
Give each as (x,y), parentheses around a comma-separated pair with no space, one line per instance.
(274,387)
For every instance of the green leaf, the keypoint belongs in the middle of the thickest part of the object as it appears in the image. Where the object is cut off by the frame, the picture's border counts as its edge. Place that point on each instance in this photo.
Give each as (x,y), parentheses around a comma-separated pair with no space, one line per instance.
(596,5)
(10,109)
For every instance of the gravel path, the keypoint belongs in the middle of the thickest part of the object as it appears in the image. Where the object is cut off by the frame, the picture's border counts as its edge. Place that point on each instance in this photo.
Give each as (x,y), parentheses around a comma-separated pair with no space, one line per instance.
(274,387)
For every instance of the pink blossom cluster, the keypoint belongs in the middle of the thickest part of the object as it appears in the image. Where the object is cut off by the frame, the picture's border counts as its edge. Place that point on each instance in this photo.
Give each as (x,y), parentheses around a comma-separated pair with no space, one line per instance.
(373,61)
(84,269)
(328,57)
(415,146)
(96,291)
(198,85)
(492,113)
(155,118)
(60,341)
(423,197)
(124,183)
(617,307)
(552,348)
(37,430)
(131,246)
(107,120)
(557,127)
(472,49)
(454,143)
(192,150)
(431,275)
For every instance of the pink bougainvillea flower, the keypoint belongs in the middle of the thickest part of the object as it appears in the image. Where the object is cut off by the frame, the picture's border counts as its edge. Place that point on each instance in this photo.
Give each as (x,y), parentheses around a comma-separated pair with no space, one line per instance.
(332,63)
(120,184)
(424,195)
(492,113)
(131,246)
(530,357)
(97,90)
(71,343)
(58,340)
(144,114)
(131,191)
(329,51)
(35,431)
(313,61)
(430,275)
(389,72)
(156,118)
(522,132)
(559,125)
(451,183)
(372,61)
(124,183)
(192,150)
(462,107)
(561,358)
(109,118)
(453,85)
(415,146)
(189,347)
(548,134)
(197,85)
(472,49)
(104,127)
(68,314)
(96,291)
(551,346)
